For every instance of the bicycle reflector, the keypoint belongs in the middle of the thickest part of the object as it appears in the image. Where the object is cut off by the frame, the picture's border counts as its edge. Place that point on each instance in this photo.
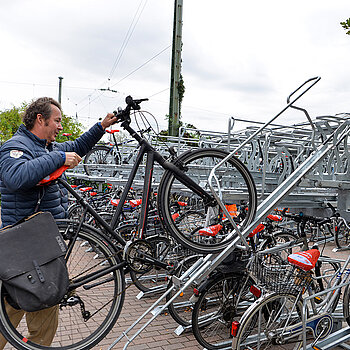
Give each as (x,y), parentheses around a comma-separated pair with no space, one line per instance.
(234,328)
(255,291)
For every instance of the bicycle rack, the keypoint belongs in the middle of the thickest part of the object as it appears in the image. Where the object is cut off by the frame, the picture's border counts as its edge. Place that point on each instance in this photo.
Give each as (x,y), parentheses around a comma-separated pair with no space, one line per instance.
(337,338)
(206,265)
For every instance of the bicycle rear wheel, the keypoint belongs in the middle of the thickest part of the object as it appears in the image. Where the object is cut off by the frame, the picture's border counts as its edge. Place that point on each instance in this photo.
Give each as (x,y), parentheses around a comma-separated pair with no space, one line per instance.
(100,161)
(238,195)
(217,308)
(263,324)
(89,312)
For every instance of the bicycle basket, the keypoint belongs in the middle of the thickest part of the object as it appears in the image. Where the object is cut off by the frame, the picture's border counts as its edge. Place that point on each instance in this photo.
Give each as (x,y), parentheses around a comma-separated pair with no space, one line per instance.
(281,277)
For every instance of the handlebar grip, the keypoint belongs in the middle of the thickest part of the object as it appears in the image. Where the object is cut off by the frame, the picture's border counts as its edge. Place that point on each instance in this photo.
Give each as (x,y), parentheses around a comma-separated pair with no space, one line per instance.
(53,176)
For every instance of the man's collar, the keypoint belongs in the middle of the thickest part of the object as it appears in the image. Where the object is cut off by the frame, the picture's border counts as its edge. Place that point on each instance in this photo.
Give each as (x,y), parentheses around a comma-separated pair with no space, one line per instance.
(35,138)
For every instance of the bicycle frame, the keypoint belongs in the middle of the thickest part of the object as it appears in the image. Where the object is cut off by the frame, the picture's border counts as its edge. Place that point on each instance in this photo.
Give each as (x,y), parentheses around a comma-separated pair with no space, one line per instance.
(152,156)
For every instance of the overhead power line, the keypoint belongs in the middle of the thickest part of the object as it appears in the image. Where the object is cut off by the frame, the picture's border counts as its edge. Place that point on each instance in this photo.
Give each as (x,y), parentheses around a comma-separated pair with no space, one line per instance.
(128,35)
(142,65)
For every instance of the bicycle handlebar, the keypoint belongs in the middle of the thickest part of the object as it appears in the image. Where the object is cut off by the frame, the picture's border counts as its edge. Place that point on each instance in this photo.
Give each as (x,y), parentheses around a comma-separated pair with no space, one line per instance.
(132,104)
(303,218)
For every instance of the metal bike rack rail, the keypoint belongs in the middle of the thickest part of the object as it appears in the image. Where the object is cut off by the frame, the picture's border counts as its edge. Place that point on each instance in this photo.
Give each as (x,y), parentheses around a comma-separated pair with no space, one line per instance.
(205,265)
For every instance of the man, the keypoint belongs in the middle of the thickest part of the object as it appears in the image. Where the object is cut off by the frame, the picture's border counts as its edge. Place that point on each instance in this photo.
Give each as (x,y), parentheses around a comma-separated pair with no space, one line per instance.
(28,157)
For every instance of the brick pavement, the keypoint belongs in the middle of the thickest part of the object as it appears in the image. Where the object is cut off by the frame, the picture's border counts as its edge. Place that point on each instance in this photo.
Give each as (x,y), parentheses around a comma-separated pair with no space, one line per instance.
(159,335)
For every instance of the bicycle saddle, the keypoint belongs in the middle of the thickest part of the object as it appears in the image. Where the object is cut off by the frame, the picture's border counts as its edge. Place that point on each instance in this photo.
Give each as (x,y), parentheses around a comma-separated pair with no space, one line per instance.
(305,260)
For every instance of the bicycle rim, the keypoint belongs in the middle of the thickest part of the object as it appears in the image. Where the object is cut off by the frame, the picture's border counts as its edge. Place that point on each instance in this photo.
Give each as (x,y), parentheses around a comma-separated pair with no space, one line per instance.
(104,300)
(238,195)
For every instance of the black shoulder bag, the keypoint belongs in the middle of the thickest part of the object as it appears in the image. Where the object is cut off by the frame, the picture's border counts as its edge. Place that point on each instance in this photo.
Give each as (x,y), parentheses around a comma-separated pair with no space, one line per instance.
(32,265)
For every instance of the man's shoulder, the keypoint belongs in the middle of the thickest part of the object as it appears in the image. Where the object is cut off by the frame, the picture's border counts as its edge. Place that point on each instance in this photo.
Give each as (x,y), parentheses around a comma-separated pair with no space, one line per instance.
(17,141)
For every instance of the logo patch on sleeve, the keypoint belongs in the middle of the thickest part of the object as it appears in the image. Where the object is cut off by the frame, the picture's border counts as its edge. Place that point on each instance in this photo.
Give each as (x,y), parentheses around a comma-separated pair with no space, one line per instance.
(16,154)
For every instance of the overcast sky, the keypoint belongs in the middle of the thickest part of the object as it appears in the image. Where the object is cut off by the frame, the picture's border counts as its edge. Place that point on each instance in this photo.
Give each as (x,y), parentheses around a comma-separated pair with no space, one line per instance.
(240,58)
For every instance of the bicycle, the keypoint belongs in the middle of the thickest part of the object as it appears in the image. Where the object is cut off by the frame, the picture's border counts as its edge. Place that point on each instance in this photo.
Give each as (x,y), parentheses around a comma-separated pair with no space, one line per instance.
(184,177)
(283,318)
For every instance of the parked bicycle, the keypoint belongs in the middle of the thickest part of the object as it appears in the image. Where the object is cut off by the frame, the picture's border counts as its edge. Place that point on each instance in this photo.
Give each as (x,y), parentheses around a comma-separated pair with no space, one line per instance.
(283,318)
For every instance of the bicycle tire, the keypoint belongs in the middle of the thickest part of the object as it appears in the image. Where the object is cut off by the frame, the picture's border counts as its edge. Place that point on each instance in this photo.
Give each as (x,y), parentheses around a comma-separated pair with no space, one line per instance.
(239,190)
(100,155)
(256,326)
(342,236)
(215,310)
(181,308)
(281,237)
(103,300)
(346,304)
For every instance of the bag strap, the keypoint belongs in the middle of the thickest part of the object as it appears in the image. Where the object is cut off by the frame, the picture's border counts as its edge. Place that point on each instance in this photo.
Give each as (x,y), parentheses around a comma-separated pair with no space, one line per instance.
(41,196)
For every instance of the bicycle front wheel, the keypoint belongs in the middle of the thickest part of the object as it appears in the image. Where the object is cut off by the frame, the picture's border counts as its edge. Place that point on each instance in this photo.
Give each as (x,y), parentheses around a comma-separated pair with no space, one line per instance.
(101,161)
(86,314)
(208,233)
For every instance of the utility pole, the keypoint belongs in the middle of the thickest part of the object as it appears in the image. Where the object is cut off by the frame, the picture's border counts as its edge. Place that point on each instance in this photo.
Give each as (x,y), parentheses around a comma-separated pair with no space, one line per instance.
(60,89)
(174,105)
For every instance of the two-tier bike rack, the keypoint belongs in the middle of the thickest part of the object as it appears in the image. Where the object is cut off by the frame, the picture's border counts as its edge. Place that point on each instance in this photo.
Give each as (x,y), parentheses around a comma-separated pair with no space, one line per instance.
(205,265)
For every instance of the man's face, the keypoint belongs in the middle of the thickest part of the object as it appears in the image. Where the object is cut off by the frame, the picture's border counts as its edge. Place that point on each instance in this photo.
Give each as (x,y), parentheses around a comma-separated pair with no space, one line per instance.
(53,125)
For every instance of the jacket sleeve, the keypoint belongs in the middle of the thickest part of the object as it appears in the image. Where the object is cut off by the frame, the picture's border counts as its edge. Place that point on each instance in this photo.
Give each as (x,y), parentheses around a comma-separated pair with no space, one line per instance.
(84,143)
(23,171)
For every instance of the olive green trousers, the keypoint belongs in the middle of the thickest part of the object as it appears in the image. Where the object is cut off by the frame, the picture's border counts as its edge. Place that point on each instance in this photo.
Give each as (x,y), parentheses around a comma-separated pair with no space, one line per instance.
(41,325)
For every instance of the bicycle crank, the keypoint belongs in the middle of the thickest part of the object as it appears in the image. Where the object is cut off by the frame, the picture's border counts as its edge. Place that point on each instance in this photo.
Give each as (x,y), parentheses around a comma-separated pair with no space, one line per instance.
(139,256)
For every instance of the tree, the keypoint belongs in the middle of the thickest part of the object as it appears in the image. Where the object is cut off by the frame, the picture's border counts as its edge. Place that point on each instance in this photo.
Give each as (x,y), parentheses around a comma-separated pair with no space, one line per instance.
(346,25)
(10,120)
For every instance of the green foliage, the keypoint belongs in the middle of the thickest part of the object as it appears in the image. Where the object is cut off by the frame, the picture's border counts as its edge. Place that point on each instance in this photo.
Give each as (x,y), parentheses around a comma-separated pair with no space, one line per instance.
(346,25)
(11,119)
(181,89)
(190,134)
(70,126)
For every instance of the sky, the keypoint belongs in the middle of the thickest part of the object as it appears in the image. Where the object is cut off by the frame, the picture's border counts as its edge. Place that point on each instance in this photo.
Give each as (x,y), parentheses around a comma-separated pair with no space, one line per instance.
(240,59)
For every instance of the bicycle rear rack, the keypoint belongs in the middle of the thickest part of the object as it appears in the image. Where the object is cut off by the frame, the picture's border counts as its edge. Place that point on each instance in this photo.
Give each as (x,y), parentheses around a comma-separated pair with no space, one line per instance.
(205,265)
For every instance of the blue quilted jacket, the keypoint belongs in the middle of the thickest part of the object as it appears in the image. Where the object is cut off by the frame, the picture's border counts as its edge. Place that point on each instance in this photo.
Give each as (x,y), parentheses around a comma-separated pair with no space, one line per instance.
(24,161)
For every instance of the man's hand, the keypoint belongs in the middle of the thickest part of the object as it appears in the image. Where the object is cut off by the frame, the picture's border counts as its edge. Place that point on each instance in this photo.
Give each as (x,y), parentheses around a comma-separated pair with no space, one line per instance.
(108,121)
(72,159)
